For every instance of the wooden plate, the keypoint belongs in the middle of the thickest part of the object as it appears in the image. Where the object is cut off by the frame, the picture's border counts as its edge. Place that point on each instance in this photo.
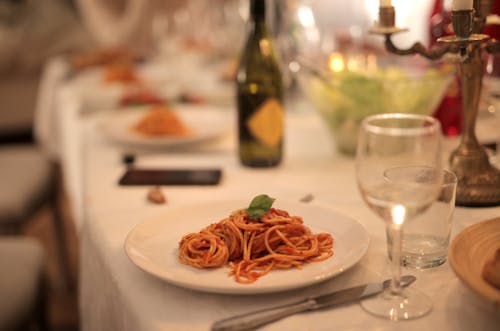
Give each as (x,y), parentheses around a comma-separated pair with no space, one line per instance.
(469,251)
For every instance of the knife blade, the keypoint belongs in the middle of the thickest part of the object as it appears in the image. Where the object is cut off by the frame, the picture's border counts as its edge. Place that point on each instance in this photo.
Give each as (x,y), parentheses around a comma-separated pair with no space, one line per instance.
(262,317)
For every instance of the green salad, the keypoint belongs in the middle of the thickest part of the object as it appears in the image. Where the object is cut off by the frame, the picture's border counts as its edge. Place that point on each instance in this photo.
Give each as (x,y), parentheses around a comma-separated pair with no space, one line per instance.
(349,97)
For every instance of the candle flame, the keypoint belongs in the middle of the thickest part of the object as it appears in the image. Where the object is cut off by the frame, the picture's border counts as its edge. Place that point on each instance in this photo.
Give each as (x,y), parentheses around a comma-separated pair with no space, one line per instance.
(336,62)
(398,214)
(355,63)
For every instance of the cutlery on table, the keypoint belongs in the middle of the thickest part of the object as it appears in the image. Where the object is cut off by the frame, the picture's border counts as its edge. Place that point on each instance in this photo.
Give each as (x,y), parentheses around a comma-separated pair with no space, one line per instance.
(262,317)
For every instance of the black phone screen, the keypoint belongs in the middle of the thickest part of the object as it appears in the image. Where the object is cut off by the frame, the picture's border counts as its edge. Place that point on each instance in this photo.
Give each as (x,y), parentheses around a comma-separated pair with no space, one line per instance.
(135,176)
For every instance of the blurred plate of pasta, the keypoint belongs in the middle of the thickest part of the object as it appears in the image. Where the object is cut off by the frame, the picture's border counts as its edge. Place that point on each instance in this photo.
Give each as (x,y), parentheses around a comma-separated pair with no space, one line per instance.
(159,126)
(101,88)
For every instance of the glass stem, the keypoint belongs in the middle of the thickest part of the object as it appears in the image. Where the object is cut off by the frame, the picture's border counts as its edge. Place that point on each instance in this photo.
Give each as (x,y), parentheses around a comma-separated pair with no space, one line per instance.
(397,242)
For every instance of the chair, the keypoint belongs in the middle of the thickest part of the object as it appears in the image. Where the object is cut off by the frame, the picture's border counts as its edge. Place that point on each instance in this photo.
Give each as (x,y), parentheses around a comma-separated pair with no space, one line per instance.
(30,180)
(22,285)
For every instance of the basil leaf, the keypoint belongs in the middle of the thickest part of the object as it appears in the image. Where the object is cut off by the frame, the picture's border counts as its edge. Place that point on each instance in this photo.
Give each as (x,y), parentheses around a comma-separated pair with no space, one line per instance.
(259,206)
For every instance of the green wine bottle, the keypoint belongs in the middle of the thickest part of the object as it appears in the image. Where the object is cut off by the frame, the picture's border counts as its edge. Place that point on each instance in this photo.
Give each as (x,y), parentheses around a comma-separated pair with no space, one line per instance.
(259,95)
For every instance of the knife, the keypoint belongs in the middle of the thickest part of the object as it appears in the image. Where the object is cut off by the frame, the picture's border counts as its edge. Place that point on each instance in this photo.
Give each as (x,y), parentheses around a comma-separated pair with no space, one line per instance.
(259,318)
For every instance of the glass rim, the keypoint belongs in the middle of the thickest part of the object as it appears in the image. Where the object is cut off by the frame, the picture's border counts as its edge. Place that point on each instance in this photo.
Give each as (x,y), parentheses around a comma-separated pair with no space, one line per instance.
(449,177)
(372,128)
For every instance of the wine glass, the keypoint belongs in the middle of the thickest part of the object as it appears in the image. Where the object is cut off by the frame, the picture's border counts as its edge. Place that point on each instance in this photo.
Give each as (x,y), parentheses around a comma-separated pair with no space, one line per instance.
(398,169)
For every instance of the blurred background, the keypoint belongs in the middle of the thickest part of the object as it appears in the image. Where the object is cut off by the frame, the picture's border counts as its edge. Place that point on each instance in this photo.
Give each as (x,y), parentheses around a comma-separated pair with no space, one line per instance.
(31,32)
(180,34)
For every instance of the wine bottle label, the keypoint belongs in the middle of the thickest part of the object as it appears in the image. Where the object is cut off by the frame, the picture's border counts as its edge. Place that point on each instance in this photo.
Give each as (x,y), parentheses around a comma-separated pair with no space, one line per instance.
(266,124)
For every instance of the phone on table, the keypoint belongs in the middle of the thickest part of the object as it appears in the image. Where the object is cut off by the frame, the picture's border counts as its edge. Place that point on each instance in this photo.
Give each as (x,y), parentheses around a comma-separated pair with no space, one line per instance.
(134,176)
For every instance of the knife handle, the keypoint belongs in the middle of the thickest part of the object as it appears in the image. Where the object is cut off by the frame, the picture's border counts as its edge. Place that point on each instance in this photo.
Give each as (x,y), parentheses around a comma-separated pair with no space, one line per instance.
(261,317)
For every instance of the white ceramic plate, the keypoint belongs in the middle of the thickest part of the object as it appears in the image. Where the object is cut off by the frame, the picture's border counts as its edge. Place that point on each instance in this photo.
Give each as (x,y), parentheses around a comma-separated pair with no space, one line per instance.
(153,246)
(168,81)
(206,123)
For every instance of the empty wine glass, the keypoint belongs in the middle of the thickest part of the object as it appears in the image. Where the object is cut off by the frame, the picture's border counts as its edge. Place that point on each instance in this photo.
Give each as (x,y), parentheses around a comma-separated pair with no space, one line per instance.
(399,173)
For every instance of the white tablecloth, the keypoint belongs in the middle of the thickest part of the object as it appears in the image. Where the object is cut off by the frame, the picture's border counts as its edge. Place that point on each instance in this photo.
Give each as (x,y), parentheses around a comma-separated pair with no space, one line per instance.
(116,295)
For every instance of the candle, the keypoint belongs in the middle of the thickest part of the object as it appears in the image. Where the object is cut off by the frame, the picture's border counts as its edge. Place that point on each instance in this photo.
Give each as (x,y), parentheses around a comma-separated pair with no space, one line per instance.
(336,62)
(461,4)
(385,3)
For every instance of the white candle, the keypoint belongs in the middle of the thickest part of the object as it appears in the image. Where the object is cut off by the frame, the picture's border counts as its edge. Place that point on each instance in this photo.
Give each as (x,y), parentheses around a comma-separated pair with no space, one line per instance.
(385,3)
(461,4)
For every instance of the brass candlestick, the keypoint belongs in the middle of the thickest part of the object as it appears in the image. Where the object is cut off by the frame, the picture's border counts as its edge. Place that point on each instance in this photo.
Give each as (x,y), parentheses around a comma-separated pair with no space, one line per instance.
(479,181)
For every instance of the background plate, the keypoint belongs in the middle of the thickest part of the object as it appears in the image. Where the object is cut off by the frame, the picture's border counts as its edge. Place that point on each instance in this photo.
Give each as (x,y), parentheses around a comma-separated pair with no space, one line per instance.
(205,121)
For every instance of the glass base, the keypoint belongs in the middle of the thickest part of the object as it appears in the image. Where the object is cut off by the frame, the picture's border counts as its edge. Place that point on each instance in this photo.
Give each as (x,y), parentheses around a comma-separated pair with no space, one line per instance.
(420,262)
(407,305)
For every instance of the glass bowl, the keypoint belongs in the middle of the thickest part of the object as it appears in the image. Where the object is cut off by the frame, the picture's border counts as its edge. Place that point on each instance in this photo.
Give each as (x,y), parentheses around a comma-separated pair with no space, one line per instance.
(346,91)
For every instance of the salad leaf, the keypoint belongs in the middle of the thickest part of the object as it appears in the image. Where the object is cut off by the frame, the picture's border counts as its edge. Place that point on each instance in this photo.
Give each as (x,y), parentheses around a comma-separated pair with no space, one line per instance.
(259,206)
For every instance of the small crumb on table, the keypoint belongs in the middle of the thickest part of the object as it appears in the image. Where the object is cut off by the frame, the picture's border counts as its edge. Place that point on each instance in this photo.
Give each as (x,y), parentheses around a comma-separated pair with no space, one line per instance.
(155,195)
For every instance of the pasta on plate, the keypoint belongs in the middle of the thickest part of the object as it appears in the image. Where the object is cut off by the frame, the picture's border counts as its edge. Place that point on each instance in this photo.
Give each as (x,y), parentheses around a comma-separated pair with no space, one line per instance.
(253,246)
(161,121)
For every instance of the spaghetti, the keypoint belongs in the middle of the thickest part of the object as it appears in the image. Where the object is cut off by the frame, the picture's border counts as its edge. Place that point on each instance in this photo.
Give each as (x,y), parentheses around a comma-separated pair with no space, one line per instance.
(252,248)
(161,121)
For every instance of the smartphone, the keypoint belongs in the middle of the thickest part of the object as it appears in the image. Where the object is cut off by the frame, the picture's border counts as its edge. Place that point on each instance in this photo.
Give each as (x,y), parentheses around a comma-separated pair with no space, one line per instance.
(134,176)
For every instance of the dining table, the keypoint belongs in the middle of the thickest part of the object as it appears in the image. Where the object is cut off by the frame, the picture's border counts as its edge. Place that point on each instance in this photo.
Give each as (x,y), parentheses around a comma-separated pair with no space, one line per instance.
(116,294)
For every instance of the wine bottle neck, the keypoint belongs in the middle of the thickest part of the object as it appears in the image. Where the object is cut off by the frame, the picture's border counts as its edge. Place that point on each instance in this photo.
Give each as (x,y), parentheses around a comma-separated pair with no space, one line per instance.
(258,10)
